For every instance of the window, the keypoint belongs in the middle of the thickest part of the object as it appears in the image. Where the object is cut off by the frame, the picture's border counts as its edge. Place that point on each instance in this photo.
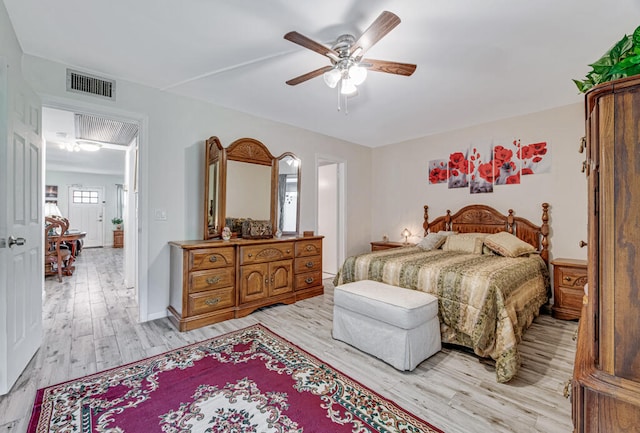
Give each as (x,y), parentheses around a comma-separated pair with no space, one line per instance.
(85,197)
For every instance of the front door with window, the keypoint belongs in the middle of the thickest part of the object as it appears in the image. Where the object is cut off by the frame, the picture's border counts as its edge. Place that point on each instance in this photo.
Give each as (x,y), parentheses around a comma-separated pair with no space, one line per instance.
(86,213)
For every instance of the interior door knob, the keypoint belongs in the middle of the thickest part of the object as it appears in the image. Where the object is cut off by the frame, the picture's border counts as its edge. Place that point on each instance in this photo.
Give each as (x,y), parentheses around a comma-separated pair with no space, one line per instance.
(16,241)
(582,244)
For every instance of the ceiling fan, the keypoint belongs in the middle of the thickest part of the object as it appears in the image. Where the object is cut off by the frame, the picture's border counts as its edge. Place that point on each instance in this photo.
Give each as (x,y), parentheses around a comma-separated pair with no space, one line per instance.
(348,67)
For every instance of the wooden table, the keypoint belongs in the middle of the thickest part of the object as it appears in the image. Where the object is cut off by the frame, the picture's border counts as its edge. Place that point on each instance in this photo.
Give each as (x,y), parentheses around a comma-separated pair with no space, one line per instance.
(72,239)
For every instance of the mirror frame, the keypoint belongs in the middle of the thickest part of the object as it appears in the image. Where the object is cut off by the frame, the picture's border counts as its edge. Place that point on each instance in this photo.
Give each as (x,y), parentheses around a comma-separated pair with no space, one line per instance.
(277,201)
(247,150)
(214,153)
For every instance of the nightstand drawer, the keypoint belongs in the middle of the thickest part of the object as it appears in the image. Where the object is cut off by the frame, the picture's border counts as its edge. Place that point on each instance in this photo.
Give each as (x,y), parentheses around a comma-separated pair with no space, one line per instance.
(571,277)
(569,298)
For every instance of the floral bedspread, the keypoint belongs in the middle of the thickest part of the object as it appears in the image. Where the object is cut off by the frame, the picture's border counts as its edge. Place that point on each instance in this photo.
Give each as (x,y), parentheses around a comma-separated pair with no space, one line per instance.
(485,302)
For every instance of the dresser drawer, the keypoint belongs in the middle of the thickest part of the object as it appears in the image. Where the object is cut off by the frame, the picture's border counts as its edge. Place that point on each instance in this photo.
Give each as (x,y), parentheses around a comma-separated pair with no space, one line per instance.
(309,247)
(310,279)
(212,300)
(211,258)
(308,264)
(211,279)
(571,277)
(265,252)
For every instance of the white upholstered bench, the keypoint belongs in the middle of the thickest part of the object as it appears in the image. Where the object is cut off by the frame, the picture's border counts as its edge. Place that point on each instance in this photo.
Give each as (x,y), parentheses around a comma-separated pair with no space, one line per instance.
(399,326)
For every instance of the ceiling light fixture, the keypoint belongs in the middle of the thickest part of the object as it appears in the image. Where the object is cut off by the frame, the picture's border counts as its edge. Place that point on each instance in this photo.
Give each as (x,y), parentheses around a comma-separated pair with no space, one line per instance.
(346,70)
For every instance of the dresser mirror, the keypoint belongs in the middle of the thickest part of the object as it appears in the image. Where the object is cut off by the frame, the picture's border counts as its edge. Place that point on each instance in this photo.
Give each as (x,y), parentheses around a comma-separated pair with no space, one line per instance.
(212,188)
(241,182)
(288,210)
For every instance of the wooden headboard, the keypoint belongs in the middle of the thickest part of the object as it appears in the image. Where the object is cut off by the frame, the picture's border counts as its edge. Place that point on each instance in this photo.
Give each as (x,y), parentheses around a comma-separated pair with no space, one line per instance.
(479,218)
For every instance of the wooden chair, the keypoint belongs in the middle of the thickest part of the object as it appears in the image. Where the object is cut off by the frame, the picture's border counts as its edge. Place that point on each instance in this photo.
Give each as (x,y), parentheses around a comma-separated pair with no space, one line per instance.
(57,257)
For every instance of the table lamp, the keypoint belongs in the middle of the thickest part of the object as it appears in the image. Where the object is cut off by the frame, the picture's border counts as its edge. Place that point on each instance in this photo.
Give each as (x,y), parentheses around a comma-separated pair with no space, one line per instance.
(406,233)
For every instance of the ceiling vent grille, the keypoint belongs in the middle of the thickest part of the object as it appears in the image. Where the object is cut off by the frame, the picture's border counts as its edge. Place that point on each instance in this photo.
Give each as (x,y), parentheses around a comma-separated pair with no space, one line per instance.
(95,128)
(80,82)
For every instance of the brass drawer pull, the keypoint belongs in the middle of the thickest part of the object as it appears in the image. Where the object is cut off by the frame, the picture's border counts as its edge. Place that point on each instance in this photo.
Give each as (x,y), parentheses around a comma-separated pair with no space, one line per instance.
(249,255)
(288,251)
(568,278)
(309,265)
(309,280)
(213,280)
(213,301)
(213,259)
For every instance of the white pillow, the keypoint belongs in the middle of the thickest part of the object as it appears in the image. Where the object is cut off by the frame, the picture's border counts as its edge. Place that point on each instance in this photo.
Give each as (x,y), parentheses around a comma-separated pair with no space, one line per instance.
(432,241)
(447,232)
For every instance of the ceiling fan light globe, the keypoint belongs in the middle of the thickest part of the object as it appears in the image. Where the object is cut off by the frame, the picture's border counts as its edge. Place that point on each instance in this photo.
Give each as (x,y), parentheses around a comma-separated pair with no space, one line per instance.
(357,74)
(331,78)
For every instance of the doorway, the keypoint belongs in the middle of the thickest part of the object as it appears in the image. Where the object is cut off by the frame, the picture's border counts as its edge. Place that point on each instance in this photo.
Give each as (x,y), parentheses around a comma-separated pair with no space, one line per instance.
(91,160)
(331,212)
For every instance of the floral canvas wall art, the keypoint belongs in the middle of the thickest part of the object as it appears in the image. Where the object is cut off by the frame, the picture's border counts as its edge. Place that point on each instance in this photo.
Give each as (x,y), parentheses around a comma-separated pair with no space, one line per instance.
(438,172)
(507,163)
(536,158)
(484,173)
(459,168)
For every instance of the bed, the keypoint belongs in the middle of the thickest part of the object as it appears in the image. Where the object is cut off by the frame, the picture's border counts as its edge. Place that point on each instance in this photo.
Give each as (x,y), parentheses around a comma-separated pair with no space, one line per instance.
(486,300)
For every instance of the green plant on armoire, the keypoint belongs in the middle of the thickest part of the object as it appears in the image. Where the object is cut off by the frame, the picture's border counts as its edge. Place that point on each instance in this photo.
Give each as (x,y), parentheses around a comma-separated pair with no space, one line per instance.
(622,60)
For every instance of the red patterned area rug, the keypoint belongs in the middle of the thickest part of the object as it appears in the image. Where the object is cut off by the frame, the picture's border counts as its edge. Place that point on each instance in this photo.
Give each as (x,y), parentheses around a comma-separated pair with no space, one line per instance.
(251,380)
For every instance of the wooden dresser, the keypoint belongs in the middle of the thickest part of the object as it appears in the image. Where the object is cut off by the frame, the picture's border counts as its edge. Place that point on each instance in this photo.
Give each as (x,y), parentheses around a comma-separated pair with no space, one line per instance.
(216,280)
(569,278)
(606,381)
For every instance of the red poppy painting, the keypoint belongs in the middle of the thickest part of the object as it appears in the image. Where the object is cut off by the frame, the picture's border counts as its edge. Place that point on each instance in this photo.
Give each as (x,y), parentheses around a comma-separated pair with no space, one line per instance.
(507,163)
(459,168)
(484,173)
(536,158)
(438,171)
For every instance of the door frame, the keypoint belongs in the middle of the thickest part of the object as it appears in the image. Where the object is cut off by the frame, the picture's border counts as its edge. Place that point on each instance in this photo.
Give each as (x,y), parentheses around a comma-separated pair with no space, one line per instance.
(341,232)
(140,221)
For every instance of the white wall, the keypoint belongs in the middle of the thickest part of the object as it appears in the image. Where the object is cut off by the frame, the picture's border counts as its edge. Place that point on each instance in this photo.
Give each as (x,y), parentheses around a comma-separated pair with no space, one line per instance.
(401,189)
(171,156)
(65,179)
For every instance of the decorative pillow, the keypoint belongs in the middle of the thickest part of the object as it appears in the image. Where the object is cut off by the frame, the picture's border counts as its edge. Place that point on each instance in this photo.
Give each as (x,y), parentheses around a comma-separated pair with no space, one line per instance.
(508,245)
(447,232)
(432,241)
(487,251)
(257,229)
(465,243)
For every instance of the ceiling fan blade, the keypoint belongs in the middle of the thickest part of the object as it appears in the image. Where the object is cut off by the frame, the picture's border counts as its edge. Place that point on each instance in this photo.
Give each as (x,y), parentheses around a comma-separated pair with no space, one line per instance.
(310,44)
(309,75)
(405,69)
(385,22)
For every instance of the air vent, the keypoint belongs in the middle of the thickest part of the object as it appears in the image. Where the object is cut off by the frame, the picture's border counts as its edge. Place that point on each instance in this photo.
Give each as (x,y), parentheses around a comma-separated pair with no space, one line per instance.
(95,128)
(80,82)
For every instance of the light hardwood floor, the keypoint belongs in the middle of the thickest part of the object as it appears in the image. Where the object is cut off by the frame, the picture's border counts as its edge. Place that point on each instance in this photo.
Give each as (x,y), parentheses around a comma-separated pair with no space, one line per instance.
(90,324)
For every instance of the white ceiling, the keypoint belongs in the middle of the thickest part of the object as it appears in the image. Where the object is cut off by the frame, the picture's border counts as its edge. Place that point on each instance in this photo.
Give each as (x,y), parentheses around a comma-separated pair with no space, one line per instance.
(477,60)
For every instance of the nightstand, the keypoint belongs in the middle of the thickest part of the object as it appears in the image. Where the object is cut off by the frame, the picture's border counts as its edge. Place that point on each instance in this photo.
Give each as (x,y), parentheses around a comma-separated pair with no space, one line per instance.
(569,278)
(382,245)
(118,238)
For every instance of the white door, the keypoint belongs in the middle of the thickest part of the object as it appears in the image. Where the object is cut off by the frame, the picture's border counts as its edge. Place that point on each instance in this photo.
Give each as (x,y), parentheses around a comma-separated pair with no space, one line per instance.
(86,211)
(21,227)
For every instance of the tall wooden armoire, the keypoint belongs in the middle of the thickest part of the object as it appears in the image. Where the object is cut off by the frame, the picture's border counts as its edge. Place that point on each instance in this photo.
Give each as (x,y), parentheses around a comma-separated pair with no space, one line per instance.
(606,381)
